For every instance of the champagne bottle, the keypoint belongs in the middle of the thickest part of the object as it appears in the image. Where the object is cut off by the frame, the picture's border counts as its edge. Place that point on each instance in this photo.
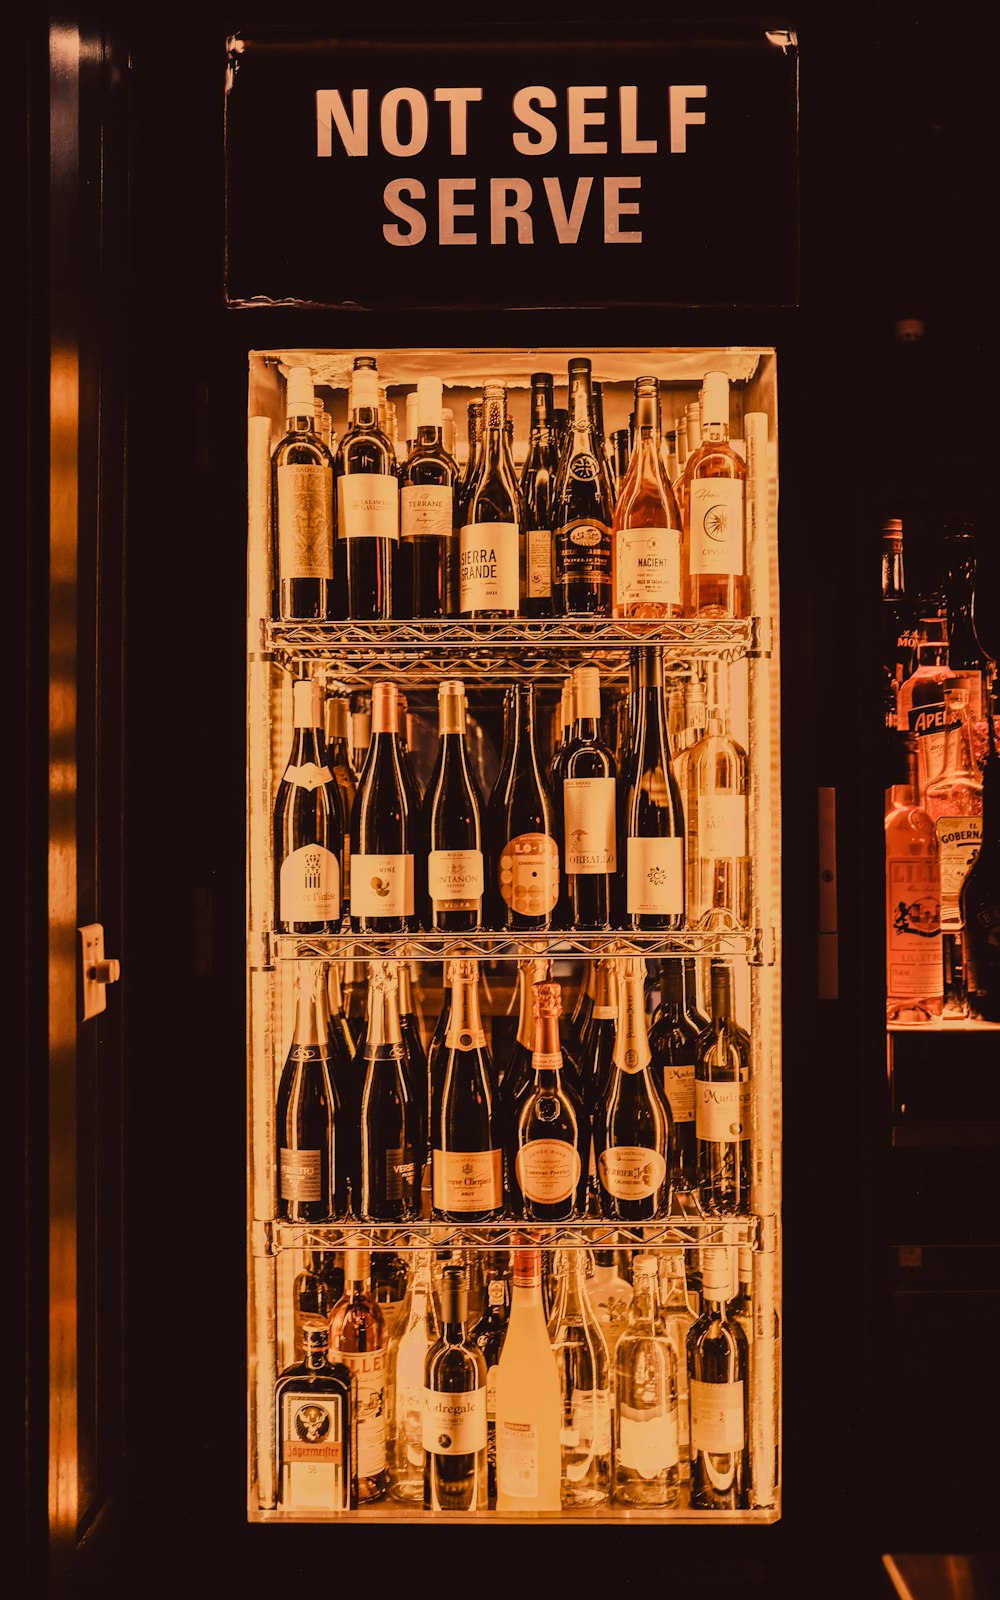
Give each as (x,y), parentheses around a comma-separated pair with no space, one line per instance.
(310,1174)
(367,502)
(455,1428)
(589,781)
(346,1074)
(391,1133)
(516,1073)
(452,832)
(722,1105)
(383,828)
(302,509)
(418,1331)
(308,824)
(632,1127)
(711,499)
(490,539)
(548,1137)
(597,1054)
(537,486)
(427,512)
(520,828)
(581,512)
(581,1354)
(466,1144)
(416,1056)
(528,1399)
(673,1041)
(647,1442)
(652,819)
(358,1341)
(317,1431)
(338,758)
(719,1394)
(979,897)
(646,531)
(914,971)
(361,732)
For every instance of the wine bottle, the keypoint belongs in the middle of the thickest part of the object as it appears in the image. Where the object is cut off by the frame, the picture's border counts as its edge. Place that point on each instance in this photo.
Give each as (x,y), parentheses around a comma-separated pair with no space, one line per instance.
(722,1105)
(338,759)
(652,819)
(391,1134)
(646,530)
(416,1056)
(621,451)
(516,1072)
(692,412)
(302,510)
(448,431)
(589,782)
(632,1126)
(520,827)
(473,459)
(315,1291)
(358,1341)
(581,513)
(681,429)
(581,1354)
(427,511)
(914,971)
(367,502)
(715,775)
(900,639)
(647,1437)
(529,1399)
(489,579)
(719,1394)
(418,1331)
(346,1076)
(466,1143)
(455,1430)
(488,1335)
(452,832)
(310,1170)
(979,897)
(673,1040)
(677,1319)
(597,1054)
(317,1431)
(548,1136)
(383,829)
(308,824)
(710,495)
(567,719)
(537,487)
(411,422)
(575,1032)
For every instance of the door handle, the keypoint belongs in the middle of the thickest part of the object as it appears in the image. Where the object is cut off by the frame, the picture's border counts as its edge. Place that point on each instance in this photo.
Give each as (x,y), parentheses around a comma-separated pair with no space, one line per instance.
(97,971)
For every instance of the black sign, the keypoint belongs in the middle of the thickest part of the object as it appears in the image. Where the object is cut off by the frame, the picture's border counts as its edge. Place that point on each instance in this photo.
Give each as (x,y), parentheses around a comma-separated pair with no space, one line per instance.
(512,170)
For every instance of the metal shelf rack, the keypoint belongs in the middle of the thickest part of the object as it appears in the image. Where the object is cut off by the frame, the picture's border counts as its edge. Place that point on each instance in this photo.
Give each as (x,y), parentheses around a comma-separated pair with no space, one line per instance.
(346,945)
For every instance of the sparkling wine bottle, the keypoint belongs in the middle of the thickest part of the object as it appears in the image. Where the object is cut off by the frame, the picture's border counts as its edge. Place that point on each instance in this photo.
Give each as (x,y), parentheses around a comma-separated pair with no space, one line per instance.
(311,1175)
(338,759)
(367,502)
(418,1331)
(652,821)
(646,531)
(722,1104)
(429,540)
(537,487)
(581,514)
(567,720)
(711,499)
(520,828)
(392,1138)
(488,1335)
(317,1431)
(515,1074)
(632,1127)
(528,1399)
(308,824)
(358,1341)
(548,1137)
(347,1076)
(452,832)
(581,1354)
(302,509)
(589,782)
(489,568)
(466,1143)
(383,829)
(719,1394)
(454,1422)
(647,1439)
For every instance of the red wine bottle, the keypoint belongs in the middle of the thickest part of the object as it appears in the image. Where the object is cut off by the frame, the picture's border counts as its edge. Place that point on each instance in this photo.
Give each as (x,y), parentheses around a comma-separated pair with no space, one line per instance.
(548,1137)
(537,487)
(632,1125)
(490,538)
(383,829)
(367,502)
(466,1144)
(652,822)
(308,824)
(302,509)
(391,1134)
(428,533)
(452,834)
(589,782)
(311,1177)
(582,508)
(520,828)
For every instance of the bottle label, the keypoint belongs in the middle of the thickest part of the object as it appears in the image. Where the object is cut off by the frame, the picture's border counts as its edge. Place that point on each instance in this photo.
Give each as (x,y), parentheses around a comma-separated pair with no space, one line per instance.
(716,1417)
(312,1450)
(722,1112)
(425,511)
(517,1459)
(716,511)
(400,1173)
(959,839)
(913,918)
(649,566)
(678,1085)
(548,1170)
(300,1174)
(368,1367)
(382,886)
(454,1424)
(491,1403)
(368,505)
(631,1172)
(648,1441)
(589,812)
(305,522)
(488,567)
(722,826)
(528,874)
(308,775)
(467,1181)
(583,554)
(589,1429)
(455,879)
(309,885)
(654,877)
(538,553)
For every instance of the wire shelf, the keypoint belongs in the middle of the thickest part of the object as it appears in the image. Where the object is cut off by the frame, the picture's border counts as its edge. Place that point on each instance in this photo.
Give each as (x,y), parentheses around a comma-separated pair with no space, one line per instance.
(348,946)
(679,1231)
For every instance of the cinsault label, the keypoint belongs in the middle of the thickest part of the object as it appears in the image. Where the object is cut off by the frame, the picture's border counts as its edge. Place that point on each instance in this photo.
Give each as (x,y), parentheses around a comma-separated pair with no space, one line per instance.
(716,523)
(305,521)
(648,566)
(488,567)
(368,506)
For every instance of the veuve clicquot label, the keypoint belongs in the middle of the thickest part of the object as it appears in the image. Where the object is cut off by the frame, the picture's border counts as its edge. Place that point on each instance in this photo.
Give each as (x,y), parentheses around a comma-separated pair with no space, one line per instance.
(488,567)
(716,522)
(312,1450)
(425,511)
(548,1170)
(722,1112)
(454,1424)
(305,521)
(716,1417)
(467,1181)
(654,877)
(309,885)
(631,1172)
(368,506)
(381,886)
(528,874)
(648,566)
(589,811)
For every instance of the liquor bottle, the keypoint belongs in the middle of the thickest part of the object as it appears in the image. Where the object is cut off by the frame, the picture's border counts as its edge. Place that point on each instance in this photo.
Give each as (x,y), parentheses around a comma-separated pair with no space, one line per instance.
(391,1134)
(338,759)
(537,487)
(647,1439)
(489,567)
(979,897)
(673,1039)
(466,1142)
(367,502)
(308,824)
(473,458)
(523,886)
(965,655)
(488,1335)
(677,1319)
(621,451)
(652,821)
(316,1424)
(548,1137)
(920,703)
(646,531)
(358,1340)
(528,1399)
(589,780)
(427,511)
(455,1431)
(719,1394)
(310,1167)
(900,640)
(710,494)
(383,829)
(914,975)
(581,510)
(632,1125)
(954,803)
(315,1291)
(302,510)
(418,1331)
(581,1353)
(416,1057)
(715,777)
(451,828)
(722,1104)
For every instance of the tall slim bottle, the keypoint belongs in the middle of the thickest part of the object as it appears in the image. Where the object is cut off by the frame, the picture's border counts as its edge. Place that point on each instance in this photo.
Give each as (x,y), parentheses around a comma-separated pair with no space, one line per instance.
(711,499)
(489,1334)
(716,777)
(914,975)
(677,1319)
(717,1357)
(646,531)
(452,831)
(358,1342)
(979,897)
(722,1104)
(489,543)
(520,828)
(466,1136)
(427,513)
(632,1125)
(537,488)
(673,1041)
(920,704)
(581,1354)
(310,1170)
(548,1135)
(338,756)
(647,1438)
(308,824)
(900,640)
(391,1132)
(589,782)
(383,829)
(528,1399)
(473,457)
(965,655)
(581,516)
(652,821)
(418,1331)
(302,510)
(367,502)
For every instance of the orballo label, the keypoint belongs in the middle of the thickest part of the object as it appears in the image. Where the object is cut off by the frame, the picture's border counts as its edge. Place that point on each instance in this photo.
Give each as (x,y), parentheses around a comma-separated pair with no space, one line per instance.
(589,812)
(722,826)
(648,566)
(678,1085)
(630,1172)
(309,885)
(308,775)
(716,526)
(716,1417)
(539,563)
(381,886)
(455,879)
(454,1424)
(368,506)
(300,1174)
(305,522)
(648,1441)
(528,874)
(312,1450)
(548,1170)
(488,567)
(722,1112)
(654,877)
(467,1180)
(425,511)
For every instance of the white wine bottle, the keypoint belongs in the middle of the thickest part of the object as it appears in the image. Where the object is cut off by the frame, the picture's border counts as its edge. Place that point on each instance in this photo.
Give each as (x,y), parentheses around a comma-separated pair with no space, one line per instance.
(528,1400)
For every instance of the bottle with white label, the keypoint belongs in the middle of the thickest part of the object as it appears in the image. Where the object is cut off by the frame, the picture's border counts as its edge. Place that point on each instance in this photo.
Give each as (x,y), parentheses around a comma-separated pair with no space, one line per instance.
(537,487)
(383,829)
(632,1125)
(367,501)
(428,570)
(589,785)
(418,1330)
(489,544)
(548,1136)
(914,958)
(581,1353)
(673,1039)
(452,831)
(489,1334)
(358,1340)
(392,1137)
(311,1170)
(722,1104)
(316,1426)
(646,530)
(456,1474)
(716,776)
(581,512)
(466,1137)
(647,1439)
(652,822)
(302,510)
(710,493)
(954,802)
(677,1319)
(308,824)
(719,1394)
(523,887)
(528,1400)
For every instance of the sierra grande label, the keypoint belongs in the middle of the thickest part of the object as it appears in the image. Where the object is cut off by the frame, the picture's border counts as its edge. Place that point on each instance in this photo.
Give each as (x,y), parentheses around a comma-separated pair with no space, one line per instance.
(488,567)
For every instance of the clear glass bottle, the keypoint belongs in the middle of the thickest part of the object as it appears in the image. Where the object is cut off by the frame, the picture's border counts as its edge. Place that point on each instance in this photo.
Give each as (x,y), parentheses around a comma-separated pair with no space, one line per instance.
(647,1439)
(914,972)
(920,703)
(722,1104)
(316,1427)
(582,508)
(489,559)
(677,1320)
(979,897)
(358,1341)
(581,1353)
(302,510)
(711,499)
(489,1334)
(646,530)
(418,1330)
(454,1420)
(719,1394)
(716,777)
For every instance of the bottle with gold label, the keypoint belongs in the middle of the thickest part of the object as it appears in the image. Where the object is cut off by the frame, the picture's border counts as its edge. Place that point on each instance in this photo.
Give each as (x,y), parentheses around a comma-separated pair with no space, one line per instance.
(452,830)
(302,502)
(548,1136)
(466,1141)
(391,1134)
(632,1124)
(358,1341)
(521,828)
(312,1171)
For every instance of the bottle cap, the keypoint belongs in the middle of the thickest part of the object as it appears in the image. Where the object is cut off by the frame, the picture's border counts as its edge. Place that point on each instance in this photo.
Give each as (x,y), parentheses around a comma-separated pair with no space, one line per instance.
(385,708)
(717,1271)
(746,1262)
(364,389)
(306,703)
(299,393)
(315,1333)
(454,1292)
(494,406)
(337,713)
(451,706)
(429,395)
(411,416)
(892,528)
(715,404)
(587,687)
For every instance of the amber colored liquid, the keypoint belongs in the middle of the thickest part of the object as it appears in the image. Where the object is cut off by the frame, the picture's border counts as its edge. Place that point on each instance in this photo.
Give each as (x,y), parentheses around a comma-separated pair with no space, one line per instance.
(711,594)
(646,500)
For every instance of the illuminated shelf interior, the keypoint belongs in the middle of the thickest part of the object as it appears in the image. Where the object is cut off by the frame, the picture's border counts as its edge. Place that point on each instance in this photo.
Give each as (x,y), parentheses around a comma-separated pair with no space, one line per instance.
(683,1229)
(347,945)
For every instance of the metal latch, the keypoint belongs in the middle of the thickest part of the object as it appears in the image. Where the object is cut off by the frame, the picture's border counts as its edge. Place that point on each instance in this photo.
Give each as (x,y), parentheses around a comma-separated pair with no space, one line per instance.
(96,970)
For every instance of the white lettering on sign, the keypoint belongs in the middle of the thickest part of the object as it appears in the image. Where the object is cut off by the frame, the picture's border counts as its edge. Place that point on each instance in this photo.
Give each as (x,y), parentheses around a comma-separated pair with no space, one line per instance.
(680,117)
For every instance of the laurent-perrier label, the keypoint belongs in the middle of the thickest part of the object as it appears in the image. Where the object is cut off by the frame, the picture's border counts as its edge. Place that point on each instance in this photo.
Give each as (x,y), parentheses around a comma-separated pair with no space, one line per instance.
(425,511)
(716,1417)
(528,874)
(309,885)
(654,877)
(455,879)
(631,1172)
(548,1170)
(722,1112)
(467,1181)
(488,567)
(312,1450)
(589,810)
(305,521)
(454,1424)
(368,506)
(381,886)
(722,826)
(648,566)
(716,511)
